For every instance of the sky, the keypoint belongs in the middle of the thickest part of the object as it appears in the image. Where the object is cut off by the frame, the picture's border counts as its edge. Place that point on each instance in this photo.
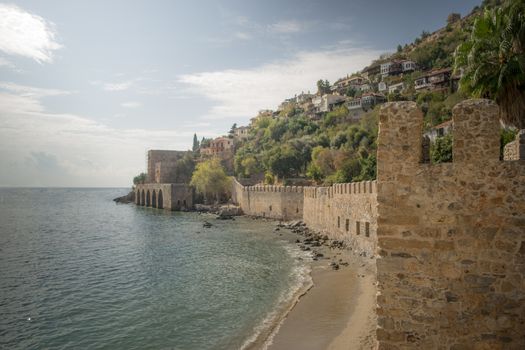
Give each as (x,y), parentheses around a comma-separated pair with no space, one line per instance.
(87,87)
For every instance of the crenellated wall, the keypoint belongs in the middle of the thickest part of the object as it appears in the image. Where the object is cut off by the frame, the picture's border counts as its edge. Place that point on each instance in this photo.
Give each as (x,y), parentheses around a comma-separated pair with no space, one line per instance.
(515,150)
(451,237)
(277,202)
(344,212)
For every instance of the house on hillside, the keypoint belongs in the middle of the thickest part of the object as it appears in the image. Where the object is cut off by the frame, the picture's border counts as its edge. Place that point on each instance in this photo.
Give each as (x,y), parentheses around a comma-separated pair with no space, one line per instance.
(440,130)
(356,82)
(391,68)
(396,88)
(371,70)
(241,132)
(304,98)
(382,87)
(327,103)
(221,147)
(363,104)
(408,66)
(434,80)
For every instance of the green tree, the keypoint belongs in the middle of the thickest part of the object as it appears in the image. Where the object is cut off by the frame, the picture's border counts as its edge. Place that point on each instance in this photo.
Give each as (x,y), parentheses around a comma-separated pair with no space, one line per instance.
(210,180)
(195,147)
(493,60)
(323,87)
(139,179)
(399,48)
(441,149)
(184,168)
(232,129)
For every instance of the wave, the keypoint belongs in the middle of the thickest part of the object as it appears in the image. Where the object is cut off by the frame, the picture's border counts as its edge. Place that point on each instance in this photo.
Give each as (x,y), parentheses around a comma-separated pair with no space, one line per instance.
(265,331)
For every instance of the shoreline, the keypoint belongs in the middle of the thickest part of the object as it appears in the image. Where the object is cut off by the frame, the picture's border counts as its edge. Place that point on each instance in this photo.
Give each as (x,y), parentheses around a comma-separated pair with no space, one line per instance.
(335,311)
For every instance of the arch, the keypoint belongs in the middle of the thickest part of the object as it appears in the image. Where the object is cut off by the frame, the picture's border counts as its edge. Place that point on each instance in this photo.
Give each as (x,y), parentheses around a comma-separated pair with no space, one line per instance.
(153,199)
(148,199)
(160,201)
(143,198)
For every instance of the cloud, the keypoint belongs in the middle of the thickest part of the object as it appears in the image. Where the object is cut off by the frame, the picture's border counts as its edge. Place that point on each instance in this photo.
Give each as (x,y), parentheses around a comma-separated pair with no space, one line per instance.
(125,85)
(131,104)
(25,90)
(288,27)
(243,36)
(241,93)
(40,148)
(26,34)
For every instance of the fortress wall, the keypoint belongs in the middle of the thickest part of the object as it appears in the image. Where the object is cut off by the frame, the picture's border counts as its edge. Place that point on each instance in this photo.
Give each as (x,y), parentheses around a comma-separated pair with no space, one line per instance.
(515,150)
(161,156)
(277,202)
(344,212)
(164,196)
(451,237)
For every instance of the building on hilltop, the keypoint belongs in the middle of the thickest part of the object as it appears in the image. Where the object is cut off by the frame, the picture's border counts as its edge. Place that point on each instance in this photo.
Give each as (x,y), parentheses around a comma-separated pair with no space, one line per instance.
(397,67)
(358,106)
(327,103)
(440,130)
(434,80)
(221,147)
(241,132)
(371,70)
(396,88)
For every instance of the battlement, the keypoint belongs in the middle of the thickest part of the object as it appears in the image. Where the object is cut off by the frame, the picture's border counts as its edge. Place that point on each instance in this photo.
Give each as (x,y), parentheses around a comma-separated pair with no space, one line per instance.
(272,188)
(450,236)
(350,188)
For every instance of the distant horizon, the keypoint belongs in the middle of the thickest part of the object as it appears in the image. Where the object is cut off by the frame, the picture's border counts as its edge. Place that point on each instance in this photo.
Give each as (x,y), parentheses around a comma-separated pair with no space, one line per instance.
(88,87)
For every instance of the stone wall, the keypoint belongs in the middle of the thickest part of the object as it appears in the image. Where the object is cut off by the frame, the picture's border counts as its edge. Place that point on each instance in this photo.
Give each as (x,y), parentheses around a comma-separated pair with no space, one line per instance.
(344,212)
(451,237)
(515,150)
(164,196)
(161,156)
(277,202)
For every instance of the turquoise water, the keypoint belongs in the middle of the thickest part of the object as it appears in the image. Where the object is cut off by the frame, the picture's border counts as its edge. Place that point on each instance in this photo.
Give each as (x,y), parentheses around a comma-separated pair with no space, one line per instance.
(79,271)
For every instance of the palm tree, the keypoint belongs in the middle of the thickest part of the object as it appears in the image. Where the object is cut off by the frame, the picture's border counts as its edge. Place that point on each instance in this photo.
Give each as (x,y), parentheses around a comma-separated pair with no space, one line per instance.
(493,60)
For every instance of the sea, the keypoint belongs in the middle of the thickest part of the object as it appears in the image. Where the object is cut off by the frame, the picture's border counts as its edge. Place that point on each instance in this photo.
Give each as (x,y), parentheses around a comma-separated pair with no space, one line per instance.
(78,271)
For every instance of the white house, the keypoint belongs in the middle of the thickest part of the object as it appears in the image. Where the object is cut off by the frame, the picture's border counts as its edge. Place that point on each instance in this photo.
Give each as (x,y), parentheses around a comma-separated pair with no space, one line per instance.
(381,87)
(408,66)
(396,88)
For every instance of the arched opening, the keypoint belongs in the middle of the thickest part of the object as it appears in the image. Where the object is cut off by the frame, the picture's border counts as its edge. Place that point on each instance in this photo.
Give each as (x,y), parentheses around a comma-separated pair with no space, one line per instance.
(160,201)
(153,199)
(143,198)
(184,203)
(148,199)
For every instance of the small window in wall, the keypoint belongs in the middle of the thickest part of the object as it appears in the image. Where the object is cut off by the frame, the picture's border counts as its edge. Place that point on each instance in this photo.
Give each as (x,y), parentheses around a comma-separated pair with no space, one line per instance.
(367,229)
(184,202)
(178,202)
(297,210)
(270,208)
(347,225)
(338,222)
(357,228)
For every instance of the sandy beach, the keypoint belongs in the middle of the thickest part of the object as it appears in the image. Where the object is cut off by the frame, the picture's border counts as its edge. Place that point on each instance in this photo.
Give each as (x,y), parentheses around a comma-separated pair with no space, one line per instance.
(337,312)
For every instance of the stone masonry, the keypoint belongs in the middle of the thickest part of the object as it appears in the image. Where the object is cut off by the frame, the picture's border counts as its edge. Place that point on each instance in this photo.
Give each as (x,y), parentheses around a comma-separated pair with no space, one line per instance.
(515,150)
(449,238)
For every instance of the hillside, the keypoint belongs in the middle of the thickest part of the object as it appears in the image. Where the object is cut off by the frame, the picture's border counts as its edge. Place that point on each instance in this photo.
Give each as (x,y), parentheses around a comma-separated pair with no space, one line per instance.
(330,137)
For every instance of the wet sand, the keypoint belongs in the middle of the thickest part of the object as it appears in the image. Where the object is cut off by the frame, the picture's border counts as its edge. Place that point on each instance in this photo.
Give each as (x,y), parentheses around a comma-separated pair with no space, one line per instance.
(337,312)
